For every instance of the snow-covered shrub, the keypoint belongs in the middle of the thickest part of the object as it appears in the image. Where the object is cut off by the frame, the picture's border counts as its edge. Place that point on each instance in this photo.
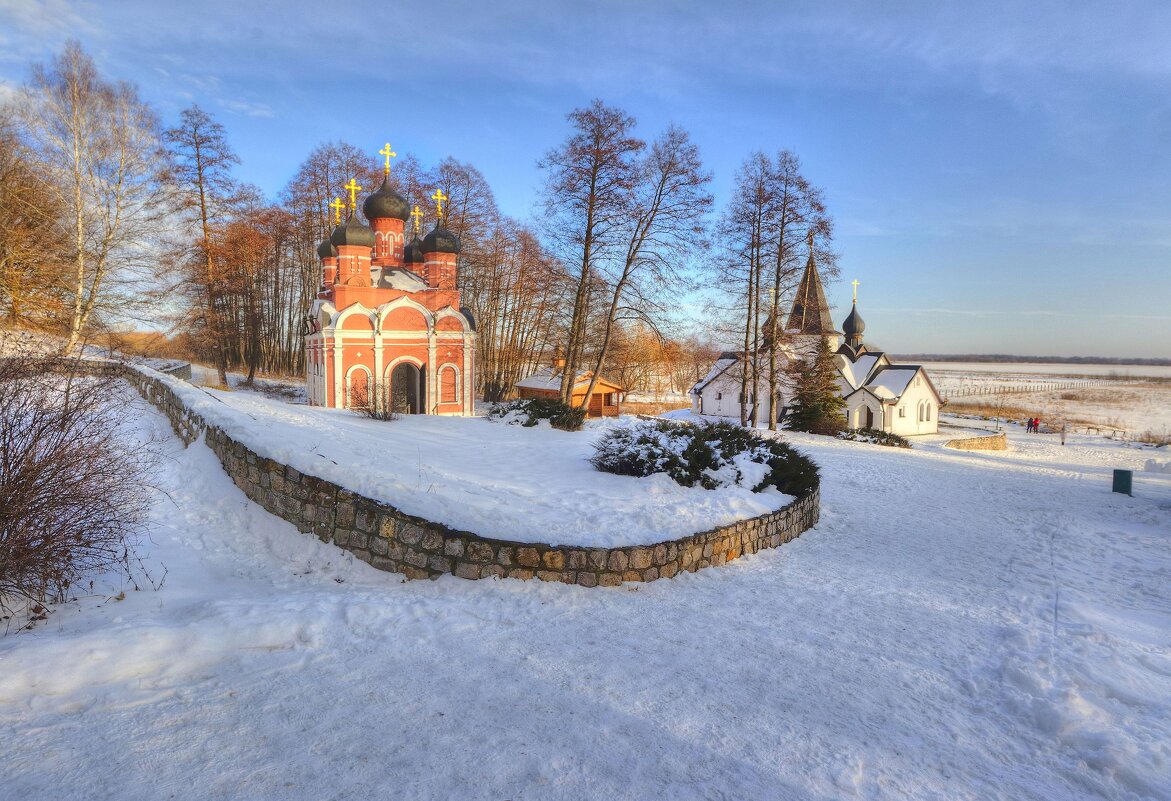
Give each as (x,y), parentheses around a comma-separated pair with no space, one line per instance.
(710,455)
(874,436)
(73,493)
(530,411)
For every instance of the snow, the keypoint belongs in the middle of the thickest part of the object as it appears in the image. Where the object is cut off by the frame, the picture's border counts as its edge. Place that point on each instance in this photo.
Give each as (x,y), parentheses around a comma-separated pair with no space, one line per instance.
(855,372)
(720,366)
(509,482)
(960,625)
(545,378)
(892,381)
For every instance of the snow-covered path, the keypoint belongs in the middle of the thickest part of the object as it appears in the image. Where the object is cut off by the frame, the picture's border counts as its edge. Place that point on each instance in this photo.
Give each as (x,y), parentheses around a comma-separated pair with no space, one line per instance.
(959,626)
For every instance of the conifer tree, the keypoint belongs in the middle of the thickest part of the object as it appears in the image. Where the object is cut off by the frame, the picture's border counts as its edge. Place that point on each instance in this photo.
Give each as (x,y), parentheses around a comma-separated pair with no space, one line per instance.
(818,406)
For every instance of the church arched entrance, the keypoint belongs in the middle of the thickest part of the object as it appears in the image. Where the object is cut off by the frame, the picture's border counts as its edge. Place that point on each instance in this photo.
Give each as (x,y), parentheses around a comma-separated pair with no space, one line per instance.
(407,389)
(867,417)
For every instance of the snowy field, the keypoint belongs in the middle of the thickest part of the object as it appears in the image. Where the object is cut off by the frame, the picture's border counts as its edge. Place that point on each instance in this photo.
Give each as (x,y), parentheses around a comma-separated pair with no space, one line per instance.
(1126,400)
(960,625)
(1054,372)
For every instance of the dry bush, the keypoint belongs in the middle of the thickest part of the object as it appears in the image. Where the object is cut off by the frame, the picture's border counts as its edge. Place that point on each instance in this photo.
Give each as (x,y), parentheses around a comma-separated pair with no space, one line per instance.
(73,492)
(1159,439)
(376,402)
(651,408)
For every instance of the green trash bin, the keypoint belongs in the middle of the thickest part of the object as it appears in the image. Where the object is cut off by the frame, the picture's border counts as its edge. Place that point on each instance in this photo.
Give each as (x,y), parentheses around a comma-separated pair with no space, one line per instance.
(1123,481)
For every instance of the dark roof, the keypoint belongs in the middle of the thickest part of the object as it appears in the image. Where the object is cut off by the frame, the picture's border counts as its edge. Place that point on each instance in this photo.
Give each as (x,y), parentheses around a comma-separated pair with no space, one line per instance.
(810,314)
(440,240)
(466,312)
(386,204)
(854,324)
(353,233)
(326,250)
(413,252)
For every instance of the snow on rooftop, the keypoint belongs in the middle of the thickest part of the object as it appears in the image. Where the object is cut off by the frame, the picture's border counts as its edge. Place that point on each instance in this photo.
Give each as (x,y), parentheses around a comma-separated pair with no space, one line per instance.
(856,372)
(548,378)
(892,381)
(722,364)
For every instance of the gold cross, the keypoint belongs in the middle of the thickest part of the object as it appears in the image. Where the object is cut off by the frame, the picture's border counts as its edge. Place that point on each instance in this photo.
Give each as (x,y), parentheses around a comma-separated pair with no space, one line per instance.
(416,215)
(439,197)
(353,188)
(386,151)
(855,282)
(337,207)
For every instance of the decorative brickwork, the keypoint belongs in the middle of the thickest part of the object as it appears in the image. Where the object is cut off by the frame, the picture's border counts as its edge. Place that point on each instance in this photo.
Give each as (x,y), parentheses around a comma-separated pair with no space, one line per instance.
(391,540)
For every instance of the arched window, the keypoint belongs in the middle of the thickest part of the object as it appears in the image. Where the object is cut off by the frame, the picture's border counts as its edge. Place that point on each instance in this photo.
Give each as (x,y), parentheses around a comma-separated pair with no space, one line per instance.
(929,412)
(448,384)
(921,413)
(357,387)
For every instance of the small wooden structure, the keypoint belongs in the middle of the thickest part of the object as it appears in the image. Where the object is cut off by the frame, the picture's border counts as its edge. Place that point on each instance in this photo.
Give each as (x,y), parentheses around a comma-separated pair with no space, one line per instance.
(546,383)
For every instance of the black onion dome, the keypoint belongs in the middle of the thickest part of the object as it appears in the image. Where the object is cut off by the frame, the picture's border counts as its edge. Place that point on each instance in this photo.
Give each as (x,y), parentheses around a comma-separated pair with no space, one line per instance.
(854,325)
(353,233)
(386,204)
(413,252)
(440,240)
(326,250)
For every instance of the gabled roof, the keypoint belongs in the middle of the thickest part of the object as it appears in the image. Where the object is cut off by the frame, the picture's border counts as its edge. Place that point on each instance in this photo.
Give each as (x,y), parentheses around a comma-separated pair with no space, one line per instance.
(810,314)
(858,371)
(726,360)
(890,382)
(549,379)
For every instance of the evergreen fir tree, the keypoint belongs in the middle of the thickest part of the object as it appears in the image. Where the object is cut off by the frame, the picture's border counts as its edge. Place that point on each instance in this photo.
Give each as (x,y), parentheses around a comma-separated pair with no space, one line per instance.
(818,407)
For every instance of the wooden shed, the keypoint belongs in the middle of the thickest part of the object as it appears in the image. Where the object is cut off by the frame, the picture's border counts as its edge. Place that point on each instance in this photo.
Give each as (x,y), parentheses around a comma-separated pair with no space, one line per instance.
(546,383)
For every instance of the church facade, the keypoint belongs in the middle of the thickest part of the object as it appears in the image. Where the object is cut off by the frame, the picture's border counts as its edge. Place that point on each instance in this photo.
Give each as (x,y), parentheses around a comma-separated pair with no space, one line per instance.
(387,322)
(879,394)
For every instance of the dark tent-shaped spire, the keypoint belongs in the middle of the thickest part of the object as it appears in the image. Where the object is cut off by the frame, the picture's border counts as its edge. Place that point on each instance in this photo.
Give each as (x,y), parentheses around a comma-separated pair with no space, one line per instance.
(810,314)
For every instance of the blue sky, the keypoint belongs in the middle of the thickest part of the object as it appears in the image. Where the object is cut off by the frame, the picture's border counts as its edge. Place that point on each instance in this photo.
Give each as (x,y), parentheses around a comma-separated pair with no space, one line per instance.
(1000,173)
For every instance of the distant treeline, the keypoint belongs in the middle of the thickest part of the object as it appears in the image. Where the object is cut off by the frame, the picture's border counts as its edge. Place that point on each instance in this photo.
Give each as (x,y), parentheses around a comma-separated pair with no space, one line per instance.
(1011,359)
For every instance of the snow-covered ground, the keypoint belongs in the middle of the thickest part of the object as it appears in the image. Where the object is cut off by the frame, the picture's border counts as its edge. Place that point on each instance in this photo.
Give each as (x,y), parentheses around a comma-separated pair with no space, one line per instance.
(496,480)
(960,625)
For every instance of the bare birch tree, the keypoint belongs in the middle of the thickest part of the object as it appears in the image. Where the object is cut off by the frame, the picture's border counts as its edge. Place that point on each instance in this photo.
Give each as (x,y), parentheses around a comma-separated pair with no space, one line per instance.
(100,148)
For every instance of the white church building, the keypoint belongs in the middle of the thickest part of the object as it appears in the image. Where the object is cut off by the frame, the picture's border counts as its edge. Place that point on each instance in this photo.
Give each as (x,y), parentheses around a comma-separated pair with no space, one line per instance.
(879,394)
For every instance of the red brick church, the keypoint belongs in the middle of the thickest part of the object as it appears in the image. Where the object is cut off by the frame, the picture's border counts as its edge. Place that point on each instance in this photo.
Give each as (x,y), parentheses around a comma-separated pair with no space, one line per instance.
(387,321)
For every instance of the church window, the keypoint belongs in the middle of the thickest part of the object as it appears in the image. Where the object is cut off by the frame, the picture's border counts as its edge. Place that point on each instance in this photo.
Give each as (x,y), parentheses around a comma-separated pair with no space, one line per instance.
(448,385)
(719,396)
(929,412)
(921,418)
(902,411)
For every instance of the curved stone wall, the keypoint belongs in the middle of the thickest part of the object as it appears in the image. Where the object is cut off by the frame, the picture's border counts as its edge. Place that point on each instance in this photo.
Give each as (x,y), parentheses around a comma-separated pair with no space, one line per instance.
(391,540)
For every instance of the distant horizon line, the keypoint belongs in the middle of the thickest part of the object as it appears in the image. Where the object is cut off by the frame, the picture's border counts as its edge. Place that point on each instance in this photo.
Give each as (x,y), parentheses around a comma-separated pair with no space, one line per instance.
(1010,358)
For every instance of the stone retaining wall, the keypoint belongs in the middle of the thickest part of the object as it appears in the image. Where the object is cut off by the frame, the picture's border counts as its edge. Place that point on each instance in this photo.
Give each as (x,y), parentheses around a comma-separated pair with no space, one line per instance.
(994,442)
(391,540)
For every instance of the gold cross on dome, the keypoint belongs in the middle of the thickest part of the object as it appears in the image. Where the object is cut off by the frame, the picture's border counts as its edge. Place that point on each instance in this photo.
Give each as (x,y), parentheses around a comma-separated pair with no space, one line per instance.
(855,282)
(353,188)
(386,151)
(416,215)
(337,207)
(439,197)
